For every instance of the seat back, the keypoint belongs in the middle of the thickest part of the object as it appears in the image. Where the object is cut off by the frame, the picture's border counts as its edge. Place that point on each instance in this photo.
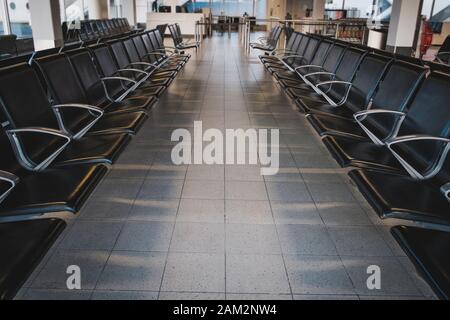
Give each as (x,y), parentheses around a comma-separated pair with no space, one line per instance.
(333,58)
(369,74)
(131,50)
(321,53)
(291,41)
(120,55)
(89,75)
(349,64)
(429,115)
(310,50)
(140,47)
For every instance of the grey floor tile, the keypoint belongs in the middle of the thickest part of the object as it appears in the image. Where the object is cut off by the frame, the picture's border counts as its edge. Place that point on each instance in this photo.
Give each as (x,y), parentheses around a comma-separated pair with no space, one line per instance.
(154,210)
(206,190)
(256,274)
(295,213)
(243,173)
(54,274)
(52,295)
(207,211)
(117,190)
(160,189)
(206,172)
(167,172)
(91,235)
(145,236)
(420,283)
(124,295)
(306,240)
(133,271)
(285,175)
(113,209)
(343,214)
(318,275)
(288,191)
(394,280)
(359,242)
(252,239)
(198,238)
(244,190)
(252,212)
(191,296)
(328,192)
(194,272)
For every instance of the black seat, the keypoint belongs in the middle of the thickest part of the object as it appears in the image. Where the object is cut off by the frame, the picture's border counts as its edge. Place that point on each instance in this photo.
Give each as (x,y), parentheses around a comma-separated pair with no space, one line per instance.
(276,55)
(22,247)
(270,43)
(178,41)
(428,115)
(35,132)
(160,46)
(403,197)
(51,190)
(393,93)
(321,92)
(428,250)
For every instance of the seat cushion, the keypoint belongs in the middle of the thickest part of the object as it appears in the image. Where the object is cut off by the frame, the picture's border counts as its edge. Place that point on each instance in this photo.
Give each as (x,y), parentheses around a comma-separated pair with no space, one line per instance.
(132,104)
(362,154)
(94,149)
(54,190)
(428,250)
(401,197)
(119,123)
(22,247)
(313,105)
(331,126)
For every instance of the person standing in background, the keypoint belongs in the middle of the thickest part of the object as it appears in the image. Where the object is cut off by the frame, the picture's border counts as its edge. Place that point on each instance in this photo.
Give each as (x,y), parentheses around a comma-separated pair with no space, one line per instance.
(155,6)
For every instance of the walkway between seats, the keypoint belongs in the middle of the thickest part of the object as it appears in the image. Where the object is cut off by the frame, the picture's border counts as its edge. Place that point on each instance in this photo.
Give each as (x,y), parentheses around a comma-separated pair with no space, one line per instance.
(154,230)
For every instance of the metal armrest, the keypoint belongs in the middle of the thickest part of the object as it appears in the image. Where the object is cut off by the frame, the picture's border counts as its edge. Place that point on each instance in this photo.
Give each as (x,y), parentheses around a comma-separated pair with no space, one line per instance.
(11,179)
(293,56)
(119,79)
(154,54)
(445,189)
(105,87)
(321,73)
(331,83)
(148,64)
(133,70)
(410,169)
(20,152)
(362,115)
(96,112)
(308,66)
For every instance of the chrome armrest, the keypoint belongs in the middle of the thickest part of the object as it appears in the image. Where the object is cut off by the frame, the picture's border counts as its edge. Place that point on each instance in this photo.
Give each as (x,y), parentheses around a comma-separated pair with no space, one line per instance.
(308,66)
(409,168)
(133,70)
(96,112)
(116,78)
(333,82)
(9,178)
(293,56)
(445,189)
(147,64)
(362,116)
(21,154)
(119,79)
(154,54)
(321,73)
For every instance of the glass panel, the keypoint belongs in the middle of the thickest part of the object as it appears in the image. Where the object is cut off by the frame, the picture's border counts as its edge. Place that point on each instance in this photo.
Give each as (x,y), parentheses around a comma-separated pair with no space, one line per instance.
(75,10)
(19,15)
(2,28)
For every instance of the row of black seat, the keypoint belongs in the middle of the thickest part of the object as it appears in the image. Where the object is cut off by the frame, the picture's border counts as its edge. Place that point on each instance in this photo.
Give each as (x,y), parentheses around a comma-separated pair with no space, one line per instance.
(268,44)
(389,121)
(178,41)
(64,118)
(88,30)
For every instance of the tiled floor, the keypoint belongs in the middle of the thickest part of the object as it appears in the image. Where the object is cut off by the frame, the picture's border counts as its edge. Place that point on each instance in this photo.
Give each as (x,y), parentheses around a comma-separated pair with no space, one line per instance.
(153,230)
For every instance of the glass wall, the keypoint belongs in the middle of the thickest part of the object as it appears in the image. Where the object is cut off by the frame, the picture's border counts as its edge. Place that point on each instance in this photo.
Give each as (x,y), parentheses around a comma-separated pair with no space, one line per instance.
(74,10)
(235,8)
(436,10)
(19,16)
(2,18)
(355,8)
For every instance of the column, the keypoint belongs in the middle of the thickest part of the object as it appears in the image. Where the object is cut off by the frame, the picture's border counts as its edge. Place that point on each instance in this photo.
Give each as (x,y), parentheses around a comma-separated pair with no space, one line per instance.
(46,24)
(129,11)
(318,9)
(97,9)
(404,26)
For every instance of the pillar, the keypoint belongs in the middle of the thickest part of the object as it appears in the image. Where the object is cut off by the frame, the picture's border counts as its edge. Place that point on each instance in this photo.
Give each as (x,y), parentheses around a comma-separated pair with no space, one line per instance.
(129,11)
(318,9)
(97,9)
(46,24)
(404,26)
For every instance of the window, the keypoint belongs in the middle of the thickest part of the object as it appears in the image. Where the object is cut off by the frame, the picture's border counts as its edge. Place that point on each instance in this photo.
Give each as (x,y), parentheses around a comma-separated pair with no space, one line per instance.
(74,10)
(434,10)
(355,8)
(2,18)
(19,17)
